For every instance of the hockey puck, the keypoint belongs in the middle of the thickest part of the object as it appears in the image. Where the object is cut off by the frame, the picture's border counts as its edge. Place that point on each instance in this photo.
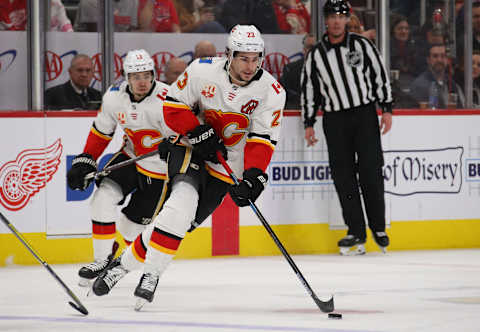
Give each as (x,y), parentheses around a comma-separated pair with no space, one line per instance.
(334,315)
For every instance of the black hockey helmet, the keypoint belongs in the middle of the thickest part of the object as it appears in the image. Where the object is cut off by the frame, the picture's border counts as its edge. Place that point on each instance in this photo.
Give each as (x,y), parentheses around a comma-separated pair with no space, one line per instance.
(336,7)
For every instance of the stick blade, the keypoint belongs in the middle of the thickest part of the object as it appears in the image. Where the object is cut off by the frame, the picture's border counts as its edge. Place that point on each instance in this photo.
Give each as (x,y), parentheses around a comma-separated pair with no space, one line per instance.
(327,306)
(79,308)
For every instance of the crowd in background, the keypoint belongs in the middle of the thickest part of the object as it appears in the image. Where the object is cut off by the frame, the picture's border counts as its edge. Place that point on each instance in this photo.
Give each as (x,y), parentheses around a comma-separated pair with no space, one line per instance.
(426,60)
(187,16)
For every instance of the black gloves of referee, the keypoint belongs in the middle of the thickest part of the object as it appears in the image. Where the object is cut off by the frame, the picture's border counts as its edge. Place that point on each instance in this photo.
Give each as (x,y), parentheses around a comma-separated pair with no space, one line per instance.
(252,185)
(82,165)
(206,143)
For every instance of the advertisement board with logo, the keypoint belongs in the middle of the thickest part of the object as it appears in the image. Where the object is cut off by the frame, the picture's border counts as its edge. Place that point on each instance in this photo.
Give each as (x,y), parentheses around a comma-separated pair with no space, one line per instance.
(431,171)
(13,70)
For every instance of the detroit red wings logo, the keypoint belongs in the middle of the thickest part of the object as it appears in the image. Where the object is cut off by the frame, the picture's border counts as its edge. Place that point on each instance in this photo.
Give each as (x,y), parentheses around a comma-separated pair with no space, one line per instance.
(23,177)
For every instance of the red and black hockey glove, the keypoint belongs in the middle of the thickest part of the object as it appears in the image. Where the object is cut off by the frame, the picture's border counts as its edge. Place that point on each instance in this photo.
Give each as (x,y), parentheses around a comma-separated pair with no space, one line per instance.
(82,165)
(253,183)
(206,143)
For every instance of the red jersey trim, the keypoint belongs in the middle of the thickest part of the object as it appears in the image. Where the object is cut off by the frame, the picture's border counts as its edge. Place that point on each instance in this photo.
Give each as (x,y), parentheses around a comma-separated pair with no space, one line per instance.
(179,117)
(258,154)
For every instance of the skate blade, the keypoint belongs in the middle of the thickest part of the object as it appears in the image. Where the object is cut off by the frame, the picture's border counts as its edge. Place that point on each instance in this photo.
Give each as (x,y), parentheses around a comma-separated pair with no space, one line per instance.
(90,291)
(84,282)
(140,303)
(353,251)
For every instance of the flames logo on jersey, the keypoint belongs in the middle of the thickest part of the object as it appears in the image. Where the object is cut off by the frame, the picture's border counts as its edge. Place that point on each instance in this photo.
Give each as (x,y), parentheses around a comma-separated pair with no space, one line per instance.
(208,91)
(249,107)
(122,117)
(23,177)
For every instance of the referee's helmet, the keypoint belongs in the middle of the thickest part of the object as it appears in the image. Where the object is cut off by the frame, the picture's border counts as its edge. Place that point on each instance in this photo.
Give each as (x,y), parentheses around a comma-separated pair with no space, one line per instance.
(336,7)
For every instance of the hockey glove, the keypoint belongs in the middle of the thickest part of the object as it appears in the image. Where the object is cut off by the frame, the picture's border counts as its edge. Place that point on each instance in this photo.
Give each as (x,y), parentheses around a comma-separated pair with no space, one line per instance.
(206,143)
(164,149)
(82,165)
(252,185)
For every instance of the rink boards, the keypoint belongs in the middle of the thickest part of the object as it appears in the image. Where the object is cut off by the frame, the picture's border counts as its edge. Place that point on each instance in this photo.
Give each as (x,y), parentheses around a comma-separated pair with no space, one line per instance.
(432,175)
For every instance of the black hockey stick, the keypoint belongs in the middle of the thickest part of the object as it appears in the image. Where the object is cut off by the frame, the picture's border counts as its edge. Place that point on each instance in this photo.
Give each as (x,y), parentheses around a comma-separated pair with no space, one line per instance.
(105,171)
(77,305)
(327,306)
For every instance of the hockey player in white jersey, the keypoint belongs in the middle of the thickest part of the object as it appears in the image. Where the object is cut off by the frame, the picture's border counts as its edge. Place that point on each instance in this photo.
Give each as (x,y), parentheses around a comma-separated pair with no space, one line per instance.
(230,97)
(135,106)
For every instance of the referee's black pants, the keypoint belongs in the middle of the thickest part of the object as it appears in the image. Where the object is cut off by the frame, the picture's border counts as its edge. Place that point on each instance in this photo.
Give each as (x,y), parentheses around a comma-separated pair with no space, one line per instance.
(354,147)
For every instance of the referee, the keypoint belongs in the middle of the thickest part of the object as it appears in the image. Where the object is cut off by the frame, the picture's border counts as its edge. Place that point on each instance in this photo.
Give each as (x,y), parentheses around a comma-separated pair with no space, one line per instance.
(344,76)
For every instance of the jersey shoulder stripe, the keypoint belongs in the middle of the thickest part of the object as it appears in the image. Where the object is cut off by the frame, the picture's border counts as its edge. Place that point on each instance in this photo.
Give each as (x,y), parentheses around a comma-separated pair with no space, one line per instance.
(205,60)
(198,67)
(114,91)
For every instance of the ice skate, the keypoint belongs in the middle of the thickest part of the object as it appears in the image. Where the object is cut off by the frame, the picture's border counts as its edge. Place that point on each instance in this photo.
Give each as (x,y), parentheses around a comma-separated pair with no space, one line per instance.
(351,245)
(382,240)
(91,271)
(145,289)
(109,277)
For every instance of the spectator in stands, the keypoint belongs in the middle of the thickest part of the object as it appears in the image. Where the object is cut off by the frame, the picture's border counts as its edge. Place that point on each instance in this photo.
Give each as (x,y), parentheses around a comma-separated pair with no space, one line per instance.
(292,16)
(204,48)
(175,66)
(428,35)
(13,16)
(354,25)
(436,76)
(125,14)
(257,12)
(475,27)
(402,49)
(459,78)
(196,17)
(158,16)
(76,93)
(59,20)
(290,79)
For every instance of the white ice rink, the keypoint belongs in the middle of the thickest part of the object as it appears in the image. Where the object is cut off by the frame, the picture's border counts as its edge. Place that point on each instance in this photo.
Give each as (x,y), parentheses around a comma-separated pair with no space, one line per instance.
(415,291)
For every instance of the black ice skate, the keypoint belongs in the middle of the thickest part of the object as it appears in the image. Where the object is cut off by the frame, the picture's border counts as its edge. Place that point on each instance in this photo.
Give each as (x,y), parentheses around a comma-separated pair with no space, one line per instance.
(382,240)
(90,271)
(145,289)
(109,277)
(349,242)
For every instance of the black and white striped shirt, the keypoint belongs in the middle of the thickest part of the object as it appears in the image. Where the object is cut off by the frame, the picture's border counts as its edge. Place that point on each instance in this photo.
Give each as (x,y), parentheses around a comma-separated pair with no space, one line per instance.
(343,76)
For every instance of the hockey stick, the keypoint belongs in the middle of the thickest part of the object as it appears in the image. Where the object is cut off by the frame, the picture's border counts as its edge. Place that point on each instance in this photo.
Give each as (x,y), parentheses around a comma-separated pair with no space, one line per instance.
(77,305)
(327,306)
(106,170)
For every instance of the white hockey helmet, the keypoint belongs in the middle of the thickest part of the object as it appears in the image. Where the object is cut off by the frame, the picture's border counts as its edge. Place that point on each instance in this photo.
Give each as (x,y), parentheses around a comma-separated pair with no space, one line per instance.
(138,61)
(245,38)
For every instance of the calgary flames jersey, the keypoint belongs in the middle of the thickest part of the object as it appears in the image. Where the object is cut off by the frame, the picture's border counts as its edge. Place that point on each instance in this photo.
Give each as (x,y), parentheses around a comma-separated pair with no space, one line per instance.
(141,123)
(247,118)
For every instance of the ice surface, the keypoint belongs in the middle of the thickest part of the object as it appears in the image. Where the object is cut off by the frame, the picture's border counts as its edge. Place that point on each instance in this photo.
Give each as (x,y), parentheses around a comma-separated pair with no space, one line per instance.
(415,291)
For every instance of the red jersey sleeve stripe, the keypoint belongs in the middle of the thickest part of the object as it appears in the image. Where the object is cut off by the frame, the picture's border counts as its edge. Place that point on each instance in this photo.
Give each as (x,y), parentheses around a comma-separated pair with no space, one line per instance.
(99,134)
(179,117)
(96,143)
(258,153)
